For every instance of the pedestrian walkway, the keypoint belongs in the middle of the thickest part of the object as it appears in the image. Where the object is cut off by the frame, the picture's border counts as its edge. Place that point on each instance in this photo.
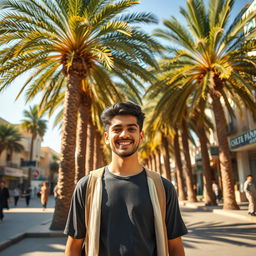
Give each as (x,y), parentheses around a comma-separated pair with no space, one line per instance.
(213,234)
(46,246)
(23,224)
(241,214)
(25,230)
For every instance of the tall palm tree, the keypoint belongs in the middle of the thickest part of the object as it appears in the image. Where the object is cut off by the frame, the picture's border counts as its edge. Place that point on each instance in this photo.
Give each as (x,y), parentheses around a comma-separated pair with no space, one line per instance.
(10,138)
(179,166)
(188,166)
(210,63)
(209,197)
(166,156)
(36,126)
(156,141)
(72,42)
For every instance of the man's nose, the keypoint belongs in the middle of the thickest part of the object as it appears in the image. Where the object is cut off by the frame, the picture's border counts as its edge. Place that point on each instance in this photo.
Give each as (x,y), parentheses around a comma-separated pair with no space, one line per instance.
(124,133)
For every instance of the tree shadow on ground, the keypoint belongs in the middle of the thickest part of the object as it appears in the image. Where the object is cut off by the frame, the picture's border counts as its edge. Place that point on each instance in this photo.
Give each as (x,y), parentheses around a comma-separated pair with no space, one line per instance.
(201,232)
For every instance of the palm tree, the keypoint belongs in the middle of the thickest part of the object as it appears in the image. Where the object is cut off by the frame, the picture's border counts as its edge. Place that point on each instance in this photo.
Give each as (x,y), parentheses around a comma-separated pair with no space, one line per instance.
(188,166)
(72,42)
(209,63)
(166,156)
(201,125)
(36,126)
(54,167)
(156,143)
(209,197)
(179,166)
(10,139)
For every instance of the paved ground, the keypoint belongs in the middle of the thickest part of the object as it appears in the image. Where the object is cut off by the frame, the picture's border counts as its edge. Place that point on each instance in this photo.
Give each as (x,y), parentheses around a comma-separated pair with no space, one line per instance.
(213,234)
(22,219)
(209,233)
(37,247)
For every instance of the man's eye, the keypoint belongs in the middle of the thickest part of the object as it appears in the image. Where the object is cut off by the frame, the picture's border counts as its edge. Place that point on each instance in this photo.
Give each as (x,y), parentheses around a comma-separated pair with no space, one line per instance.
(132,129)
(117,130)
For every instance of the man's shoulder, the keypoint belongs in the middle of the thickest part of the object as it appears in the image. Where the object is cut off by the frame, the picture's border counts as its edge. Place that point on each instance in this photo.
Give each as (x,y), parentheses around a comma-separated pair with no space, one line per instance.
(83,181)
(167,184)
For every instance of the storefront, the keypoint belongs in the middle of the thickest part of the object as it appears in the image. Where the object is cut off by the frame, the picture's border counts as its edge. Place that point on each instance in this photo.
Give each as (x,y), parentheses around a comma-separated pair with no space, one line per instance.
(244,146)
(12,176)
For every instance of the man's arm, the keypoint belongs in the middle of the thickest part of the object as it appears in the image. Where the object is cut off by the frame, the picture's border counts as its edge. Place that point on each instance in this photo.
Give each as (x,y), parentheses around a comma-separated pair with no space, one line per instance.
(175,247)
(73,246)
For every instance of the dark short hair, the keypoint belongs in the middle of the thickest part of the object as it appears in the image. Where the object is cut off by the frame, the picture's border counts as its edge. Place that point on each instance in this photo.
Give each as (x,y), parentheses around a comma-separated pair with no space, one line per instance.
(249,176)
(122,108)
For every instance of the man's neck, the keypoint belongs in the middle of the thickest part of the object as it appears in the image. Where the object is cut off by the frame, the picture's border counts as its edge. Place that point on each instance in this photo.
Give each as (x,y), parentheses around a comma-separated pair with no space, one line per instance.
(125,166)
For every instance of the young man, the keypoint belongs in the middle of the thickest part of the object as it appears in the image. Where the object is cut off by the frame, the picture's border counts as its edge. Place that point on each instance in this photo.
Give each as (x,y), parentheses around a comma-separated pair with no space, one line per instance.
(127,211)
(250,192)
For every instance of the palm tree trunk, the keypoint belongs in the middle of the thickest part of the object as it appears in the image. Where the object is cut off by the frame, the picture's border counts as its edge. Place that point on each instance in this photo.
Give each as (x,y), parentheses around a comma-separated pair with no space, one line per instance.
(90,146)
(166,156)
(224,155)
(179,171)
(146,163)
(31,159)
(208,192)
(151,163)
(99,151)
(1,150)
(158,161)
(97,155)
(83,114)
(31,148)
(67,159)
(154,162)
(188,169)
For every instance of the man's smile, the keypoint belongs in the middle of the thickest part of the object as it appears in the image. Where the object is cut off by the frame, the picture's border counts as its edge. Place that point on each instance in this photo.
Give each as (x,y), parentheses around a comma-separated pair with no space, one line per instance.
(124,142)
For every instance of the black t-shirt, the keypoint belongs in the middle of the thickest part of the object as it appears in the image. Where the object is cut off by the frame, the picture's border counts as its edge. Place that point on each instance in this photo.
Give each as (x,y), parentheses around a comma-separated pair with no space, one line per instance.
(127,220)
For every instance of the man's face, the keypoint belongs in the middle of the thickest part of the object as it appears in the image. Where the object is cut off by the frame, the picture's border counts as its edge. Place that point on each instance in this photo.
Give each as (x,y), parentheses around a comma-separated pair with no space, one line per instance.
(124,136)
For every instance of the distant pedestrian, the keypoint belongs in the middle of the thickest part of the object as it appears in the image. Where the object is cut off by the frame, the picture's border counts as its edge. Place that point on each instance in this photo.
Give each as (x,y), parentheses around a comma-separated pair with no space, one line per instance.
(38,191)
(216,191)
(195,188)
(56,191)
(250,192)
(27,195)
(16,195)
(44,194)
(4,196)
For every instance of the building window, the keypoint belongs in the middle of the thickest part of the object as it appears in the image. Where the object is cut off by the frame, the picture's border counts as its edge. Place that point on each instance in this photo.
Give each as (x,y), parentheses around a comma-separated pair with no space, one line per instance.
(8,157)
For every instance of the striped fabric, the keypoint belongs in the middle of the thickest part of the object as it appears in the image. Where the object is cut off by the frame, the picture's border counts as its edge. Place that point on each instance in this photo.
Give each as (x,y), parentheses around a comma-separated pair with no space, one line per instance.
(93,216)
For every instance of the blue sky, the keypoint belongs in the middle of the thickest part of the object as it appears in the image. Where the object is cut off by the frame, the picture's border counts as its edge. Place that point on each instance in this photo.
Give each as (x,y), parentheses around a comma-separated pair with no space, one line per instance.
(12,111)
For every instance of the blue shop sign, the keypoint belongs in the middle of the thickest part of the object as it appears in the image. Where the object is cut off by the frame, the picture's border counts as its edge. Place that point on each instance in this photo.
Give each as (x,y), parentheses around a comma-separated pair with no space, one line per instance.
(244,139)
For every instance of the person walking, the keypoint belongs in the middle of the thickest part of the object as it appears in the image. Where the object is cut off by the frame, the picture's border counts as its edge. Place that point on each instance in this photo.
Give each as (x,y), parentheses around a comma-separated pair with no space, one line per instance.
(4,196)
(216,191)
(250,192)
(56,191)
(16,195)
(27,195)
(118,209)
(44,194)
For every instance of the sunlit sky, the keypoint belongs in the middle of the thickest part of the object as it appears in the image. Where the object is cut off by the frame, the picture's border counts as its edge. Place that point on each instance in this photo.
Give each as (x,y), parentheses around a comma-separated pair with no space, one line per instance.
(12,111)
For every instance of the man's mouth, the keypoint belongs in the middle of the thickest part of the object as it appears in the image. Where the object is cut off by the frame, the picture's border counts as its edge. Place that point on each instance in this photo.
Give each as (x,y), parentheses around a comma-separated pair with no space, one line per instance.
(124,142)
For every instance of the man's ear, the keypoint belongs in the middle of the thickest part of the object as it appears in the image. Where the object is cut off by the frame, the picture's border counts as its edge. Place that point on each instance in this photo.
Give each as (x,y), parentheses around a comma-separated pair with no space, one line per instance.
(141,135)
(106,137)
